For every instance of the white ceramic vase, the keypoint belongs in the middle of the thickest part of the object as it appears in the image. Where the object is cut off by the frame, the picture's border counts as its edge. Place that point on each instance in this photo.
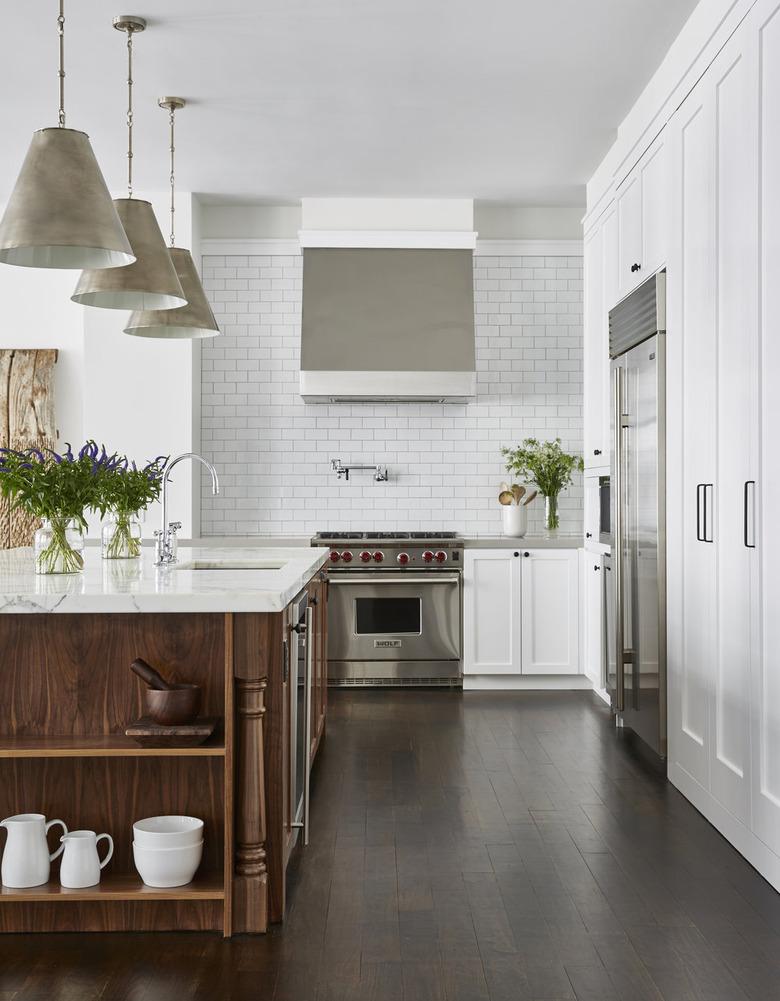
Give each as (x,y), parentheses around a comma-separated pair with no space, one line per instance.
(515,520)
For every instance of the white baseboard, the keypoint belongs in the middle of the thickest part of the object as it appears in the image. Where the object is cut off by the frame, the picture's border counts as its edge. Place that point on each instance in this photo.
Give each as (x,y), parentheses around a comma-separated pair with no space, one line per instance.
(747,844)
(603,694)
(528,682)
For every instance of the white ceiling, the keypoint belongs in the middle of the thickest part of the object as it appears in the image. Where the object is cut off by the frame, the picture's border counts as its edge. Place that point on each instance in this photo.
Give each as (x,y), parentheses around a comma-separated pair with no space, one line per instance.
(492,99)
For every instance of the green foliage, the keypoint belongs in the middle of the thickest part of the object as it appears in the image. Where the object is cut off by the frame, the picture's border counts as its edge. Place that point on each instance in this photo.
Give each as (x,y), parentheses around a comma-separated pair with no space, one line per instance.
(53,486)
(544,463)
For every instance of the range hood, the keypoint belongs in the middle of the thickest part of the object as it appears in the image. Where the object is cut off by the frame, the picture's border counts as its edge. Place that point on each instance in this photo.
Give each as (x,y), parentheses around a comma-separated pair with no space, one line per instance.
(387,325)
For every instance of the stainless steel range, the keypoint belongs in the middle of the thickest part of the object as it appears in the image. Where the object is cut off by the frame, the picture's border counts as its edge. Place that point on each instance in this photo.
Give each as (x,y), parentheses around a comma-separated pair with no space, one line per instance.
(394,607)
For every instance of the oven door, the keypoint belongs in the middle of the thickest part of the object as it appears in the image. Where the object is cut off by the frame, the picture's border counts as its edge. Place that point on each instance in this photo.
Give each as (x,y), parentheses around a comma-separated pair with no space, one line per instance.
(394,617)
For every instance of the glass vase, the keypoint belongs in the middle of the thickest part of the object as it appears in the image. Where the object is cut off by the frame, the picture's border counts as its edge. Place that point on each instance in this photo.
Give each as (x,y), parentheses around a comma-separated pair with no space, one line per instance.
(59,546)
(121,536)
(552,519)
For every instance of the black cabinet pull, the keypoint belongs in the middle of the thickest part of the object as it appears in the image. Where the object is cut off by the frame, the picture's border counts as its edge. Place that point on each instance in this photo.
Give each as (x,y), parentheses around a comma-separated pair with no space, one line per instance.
(597,567)
(702,512)
(635,268)
(748,545)
(517,554)
(526,554)
(597,451)
(589,535)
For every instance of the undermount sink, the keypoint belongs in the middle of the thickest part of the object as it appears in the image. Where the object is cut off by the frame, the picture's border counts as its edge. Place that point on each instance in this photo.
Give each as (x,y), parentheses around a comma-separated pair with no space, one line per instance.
(233,565)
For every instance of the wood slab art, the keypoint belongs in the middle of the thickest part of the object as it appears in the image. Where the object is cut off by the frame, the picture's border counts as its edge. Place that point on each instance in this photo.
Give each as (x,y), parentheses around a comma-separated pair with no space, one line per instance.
(26,420)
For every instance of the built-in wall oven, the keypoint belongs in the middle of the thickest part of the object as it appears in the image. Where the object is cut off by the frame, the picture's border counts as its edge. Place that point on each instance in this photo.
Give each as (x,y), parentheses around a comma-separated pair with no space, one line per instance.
(605,508)
(394,609)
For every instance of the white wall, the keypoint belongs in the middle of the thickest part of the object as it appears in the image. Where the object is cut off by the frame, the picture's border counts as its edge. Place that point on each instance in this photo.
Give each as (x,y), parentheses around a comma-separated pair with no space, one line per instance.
(509,221)
(38,313)
(136,395)
(139,397)
(273,450)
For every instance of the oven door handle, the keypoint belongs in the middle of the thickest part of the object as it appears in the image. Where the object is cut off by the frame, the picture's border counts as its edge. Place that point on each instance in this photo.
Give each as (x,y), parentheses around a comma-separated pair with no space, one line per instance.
(433,578)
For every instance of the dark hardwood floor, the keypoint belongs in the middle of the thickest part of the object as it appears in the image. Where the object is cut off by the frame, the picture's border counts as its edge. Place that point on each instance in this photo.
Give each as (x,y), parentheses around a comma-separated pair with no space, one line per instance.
(486,847)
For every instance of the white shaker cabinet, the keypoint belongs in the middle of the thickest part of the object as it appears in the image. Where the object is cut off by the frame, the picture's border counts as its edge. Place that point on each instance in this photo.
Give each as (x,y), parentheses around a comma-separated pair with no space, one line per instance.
(642,219)
(491,606)
(723,420)
(550,611)
(763,502)
(521,611)
(594,626)
(601,293)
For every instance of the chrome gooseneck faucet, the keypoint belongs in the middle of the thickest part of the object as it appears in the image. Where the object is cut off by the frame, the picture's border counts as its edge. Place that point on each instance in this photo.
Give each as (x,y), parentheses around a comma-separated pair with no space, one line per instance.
(165,538)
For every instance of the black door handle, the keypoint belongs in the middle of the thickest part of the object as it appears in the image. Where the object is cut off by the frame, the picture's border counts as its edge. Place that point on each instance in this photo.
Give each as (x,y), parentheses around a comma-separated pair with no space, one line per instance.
(748,545)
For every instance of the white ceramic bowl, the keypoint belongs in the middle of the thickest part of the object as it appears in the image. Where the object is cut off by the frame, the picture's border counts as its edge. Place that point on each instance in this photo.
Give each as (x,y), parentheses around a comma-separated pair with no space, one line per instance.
(167,866)
(167,832)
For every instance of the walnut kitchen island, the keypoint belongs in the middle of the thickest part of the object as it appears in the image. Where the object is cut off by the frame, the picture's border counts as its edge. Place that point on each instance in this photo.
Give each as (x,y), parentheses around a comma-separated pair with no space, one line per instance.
(220,618)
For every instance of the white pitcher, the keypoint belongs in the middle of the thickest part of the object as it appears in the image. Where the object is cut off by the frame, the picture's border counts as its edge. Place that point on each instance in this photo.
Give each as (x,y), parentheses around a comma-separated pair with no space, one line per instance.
(80,864)
(26,857)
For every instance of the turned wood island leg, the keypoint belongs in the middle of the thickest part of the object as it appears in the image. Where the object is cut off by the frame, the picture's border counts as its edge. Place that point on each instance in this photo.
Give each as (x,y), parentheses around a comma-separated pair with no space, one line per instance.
(250,886)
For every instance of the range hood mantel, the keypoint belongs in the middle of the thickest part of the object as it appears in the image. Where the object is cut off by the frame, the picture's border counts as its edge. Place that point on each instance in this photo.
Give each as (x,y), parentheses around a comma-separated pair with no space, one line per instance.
(387,325)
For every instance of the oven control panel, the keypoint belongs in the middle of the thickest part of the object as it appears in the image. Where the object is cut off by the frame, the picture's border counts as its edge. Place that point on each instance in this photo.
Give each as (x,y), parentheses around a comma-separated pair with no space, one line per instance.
(419,559)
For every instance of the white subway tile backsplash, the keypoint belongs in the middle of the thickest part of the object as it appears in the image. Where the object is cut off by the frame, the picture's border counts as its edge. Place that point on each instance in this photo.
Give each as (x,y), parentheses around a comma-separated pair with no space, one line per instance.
(273,451)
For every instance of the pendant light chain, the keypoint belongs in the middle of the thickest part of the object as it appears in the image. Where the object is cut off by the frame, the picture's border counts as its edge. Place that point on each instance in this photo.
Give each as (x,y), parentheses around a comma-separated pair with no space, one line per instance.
(173,175)
(130,114)
(61,34)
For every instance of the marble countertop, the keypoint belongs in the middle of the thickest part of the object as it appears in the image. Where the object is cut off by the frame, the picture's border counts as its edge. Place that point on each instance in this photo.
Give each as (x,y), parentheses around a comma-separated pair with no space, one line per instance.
(139,586)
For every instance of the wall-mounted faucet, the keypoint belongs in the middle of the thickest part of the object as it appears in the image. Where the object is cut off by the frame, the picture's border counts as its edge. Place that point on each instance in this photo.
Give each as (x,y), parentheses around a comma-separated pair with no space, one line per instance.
(338,467)
(165,539)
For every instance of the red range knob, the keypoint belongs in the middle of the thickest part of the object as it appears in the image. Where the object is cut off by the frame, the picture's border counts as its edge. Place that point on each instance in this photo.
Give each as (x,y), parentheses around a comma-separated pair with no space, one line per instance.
(441,557)
(427,556)
(365,556)
(346,557)
(334,557)
(378,557)
(403,558)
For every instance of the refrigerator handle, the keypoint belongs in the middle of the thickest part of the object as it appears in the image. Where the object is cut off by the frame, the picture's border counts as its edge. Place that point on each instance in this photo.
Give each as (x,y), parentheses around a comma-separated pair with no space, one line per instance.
(310,640)
(708,509)
(620,686)
(749,504)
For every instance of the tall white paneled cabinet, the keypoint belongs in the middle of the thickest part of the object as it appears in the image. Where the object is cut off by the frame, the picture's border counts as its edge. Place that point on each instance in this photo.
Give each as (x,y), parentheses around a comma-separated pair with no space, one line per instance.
(723,532)
(704,201)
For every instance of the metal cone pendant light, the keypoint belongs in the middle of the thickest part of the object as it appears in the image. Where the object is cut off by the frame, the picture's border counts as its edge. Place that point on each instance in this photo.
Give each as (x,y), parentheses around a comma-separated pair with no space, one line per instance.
(151,282)
(196,318)
(60,213)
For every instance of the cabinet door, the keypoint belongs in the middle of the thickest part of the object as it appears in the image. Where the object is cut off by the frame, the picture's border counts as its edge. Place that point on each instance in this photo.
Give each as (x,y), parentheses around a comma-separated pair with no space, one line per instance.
(736,294)
(595,360)
(691,377)
(611,271)
(629,207)
(764,508)
(654,171)
(594,619)
(550,611)
(491,611)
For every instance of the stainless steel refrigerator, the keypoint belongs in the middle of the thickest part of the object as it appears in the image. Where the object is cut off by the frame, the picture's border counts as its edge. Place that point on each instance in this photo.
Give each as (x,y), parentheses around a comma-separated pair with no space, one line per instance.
(635,572)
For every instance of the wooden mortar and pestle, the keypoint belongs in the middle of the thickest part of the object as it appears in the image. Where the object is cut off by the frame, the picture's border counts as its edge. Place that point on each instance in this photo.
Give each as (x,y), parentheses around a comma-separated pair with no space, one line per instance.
(167,704)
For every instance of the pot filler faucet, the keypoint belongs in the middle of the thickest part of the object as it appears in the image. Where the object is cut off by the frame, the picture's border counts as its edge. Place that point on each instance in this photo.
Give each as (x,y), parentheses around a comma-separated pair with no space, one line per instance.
(165,538)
